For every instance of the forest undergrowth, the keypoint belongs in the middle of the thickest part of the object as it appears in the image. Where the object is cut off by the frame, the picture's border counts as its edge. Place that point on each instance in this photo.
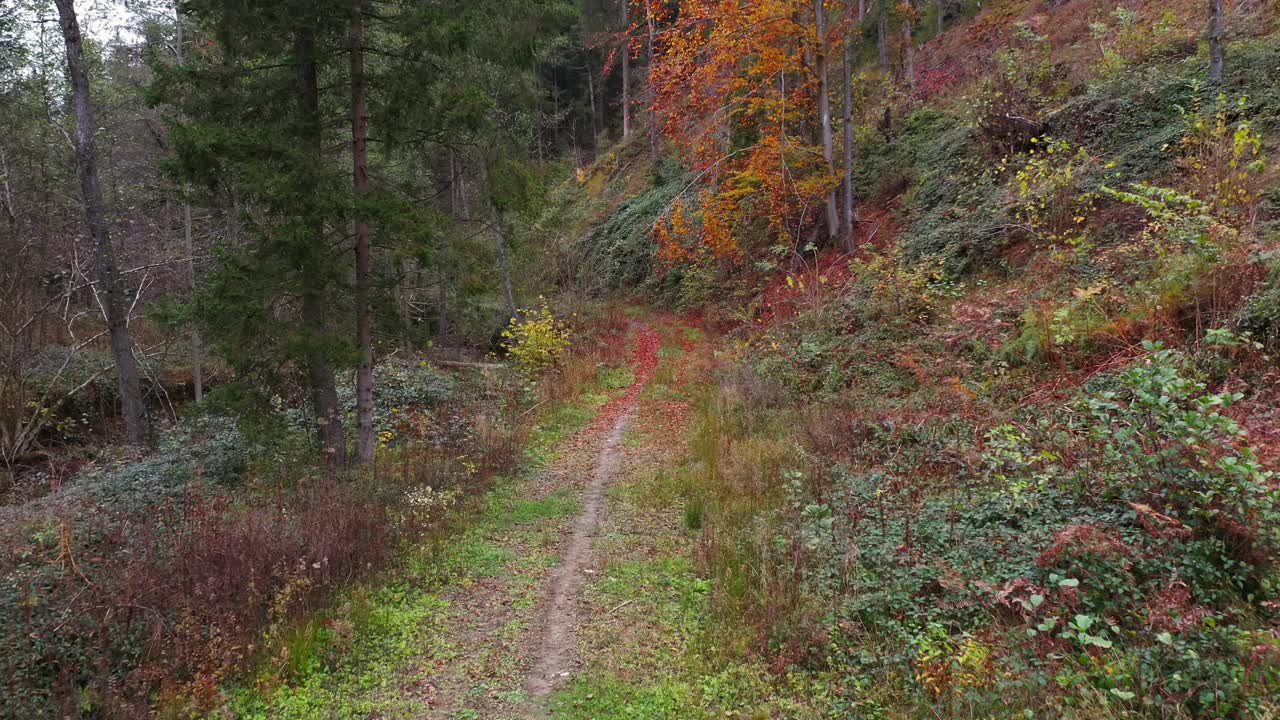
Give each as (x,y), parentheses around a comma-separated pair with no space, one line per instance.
(898,359)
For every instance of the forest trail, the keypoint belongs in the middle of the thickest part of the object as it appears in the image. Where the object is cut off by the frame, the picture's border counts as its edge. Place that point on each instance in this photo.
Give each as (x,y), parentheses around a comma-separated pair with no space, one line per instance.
(510,635)
(555,650)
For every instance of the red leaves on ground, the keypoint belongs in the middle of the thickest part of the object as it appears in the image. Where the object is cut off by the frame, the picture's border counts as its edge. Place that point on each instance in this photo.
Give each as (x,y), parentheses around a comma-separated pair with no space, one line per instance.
(644,361)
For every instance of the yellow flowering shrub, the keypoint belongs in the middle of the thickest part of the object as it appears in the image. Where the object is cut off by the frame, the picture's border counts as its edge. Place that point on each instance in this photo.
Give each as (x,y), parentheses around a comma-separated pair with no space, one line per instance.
(536,339)
(1223,157)
(1052,201)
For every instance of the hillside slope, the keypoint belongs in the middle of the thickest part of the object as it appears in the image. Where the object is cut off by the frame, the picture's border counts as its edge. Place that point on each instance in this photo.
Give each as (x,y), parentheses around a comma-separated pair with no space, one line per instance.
(1012,456)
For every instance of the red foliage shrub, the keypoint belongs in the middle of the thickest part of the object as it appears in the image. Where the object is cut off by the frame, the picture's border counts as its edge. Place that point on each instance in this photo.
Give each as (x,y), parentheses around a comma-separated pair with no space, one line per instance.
(1083,539)
(1172,609)
(199,585)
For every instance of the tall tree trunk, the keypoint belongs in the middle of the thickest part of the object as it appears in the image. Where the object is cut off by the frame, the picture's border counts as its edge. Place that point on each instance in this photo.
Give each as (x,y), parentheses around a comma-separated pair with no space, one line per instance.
(882,38)
(1216,61)
(442,302)
(406,303)
(197,355)
(360,187)
(324,394)
(824,112)
(908,46)
(847,226)
(942,15)
(653,89)
(626,69)
(595,118)
(10,215)
(504,260)
(108,282)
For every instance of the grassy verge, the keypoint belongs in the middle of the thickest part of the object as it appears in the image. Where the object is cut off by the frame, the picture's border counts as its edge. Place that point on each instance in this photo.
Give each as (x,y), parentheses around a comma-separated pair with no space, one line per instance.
(363,657)
(655,645)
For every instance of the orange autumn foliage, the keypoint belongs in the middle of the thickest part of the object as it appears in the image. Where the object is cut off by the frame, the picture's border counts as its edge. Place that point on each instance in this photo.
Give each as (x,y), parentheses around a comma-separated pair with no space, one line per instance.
(735,91)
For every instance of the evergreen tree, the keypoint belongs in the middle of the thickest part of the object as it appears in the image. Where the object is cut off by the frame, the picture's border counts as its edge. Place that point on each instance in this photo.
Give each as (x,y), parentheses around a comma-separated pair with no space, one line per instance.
(324,121)
(255,126)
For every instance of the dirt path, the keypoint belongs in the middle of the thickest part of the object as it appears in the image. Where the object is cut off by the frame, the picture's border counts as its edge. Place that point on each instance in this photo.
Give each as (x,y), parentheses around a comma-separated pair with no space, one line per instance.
(509,637)
(554,652)
(553,661)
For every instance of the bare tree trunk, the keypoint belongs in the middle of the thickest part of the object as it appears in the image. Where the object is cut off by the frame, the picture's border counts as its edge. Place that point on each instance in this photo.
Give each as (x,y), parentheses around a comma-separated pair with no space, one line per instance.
(626,70)
(233,219)
(108,282)
(197,357)
(11,215)
(653,89)
(847,226)
(360,187)
(942,15)
(197,354)
(504,260)
(591,95)
(882,37)
(406,303)
(824,112)
(908,46)
(442,303)
(1216,61)
(324,394)
(455,196)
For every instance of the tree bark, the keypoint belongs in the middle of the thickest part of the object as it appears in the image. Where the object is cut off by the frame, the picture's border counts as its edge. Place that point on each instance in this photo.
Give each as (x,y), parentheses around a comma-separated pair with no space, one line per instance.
(108,281)
(626,70)
(847,226)
(653,90)
(1216,61)
(824,113)
(324,394)
(908,47)
(504,260)
(360,187)
(442,303)
(197,354)
(591,96)
(882,37)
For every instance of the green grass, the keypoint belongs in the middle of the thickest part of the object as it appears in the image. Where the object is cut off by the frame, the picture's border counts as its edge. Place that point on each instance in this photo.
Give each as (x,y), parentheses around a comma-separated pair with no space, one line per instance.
(558,424)
(664,682)
(390,625)
(522,511)
(343,678)
(608,698)
(351,662)
(617,378)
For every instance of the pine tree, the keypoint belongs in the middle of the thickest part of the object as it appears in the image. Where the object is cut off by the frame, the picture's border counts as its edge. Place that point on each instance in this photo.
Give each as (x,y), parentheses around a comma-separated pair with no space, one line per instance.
(254,126)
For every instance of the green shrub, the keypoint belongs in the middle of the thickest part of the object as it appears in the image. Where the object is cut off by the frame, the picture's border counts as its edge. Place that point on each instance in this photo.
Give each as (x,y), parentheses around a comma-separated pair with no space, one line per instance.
(619,253)
(399,388)
(208,450)
(1260,312)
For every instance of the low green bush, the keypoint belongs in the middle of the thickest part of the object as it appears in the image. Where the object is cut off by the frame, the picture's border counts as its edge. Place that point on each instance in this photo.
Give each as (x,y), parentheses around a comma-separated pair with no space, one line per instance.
(619,253)
(1123,547)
